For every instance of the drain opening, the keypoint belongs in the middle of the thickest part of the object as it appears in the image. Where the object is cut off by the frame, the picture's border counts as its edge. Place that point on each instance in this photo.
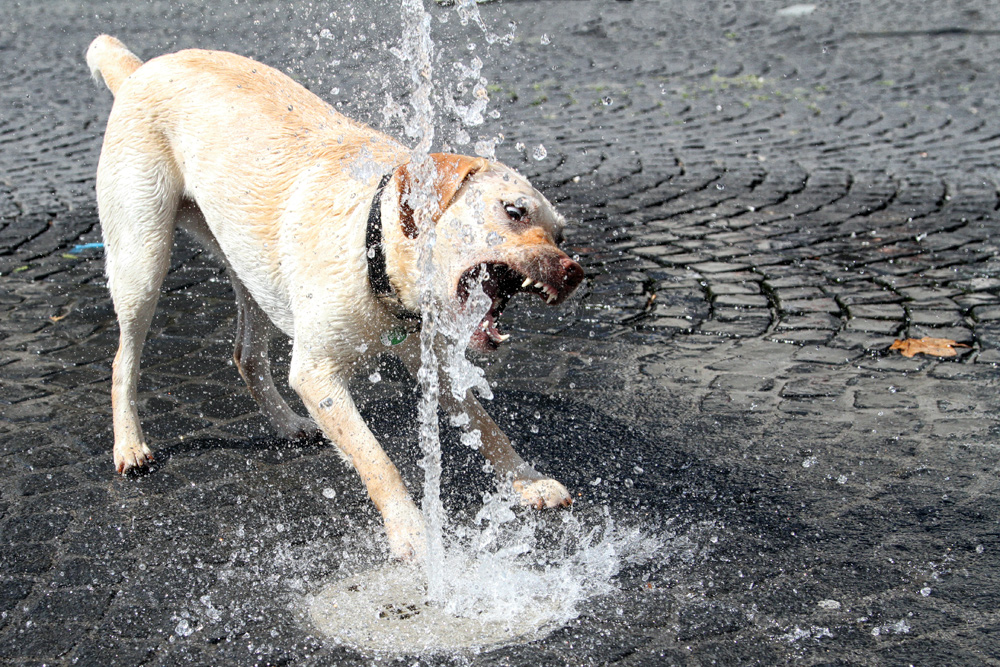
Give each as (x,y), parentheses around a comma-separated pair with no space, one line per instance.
(399,612)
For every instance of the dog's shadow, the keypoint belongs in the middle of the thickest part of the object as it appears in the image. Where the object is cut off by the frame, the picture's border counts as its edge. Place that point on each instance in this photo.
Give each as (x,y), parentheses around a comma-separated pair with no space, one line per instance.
(589,449)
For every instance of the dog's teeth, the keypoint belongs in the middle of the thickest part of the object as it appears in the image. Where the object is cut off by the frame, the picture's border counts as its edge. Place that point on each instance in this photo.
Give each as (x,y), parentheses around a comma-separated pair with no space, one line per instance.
(502,338)
(540,285)
(526,283)
(484,325)
(552,297)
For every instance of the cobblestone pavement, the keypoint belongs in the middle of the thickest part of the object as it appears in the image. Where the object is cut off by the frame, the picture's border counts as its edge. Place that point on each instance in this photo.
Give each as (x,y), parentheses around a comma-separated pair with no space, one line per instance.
(796,192)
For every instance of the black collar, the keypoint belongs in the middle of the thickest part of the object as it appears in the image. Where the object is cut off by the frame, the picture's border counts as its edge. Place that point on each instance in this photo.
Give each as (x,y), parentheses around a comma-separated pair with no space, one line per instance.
(378,279)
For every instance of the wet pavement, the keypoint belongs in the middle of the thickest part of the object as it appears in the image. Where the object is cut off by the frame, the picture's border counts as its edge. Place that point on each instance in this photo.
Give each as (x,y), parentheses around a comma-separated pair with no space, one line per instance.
(764,203)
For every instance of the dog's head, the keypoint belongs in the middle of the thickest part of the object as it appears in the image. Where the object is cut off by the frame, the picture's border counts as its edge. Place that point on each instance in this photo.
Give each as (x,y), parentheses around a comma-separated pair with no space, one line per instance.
(491,227)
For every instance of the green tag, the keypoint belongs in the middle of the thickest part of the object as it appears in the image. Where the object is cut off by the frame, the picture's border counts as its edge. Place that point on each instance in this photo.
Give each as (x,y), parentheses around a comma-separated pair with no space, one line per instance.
(394,336)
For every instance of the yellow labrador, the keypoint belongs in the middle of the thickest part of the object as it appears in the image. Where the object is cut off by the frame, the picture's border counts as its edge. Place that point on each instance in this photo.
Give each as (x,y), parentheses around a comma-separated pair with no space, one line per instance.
(313,217)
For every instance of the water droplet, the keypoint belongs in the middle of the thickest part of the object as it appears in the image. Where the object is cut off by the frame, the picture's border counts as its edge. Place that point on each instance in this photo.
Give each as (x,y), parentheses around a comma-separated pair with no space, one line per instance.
(545,38)
(607,101)
(539,153)
(183,628)
(486,148)
(329,493)
(925,591)
(375,377)
(325,33)
(720,186)
(335,91)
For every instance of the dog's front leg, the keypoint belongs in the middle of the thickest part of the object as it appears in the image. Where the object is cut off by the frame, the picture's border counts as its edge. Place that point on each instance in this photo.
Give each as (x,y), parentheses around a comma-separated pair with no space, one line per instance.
(535,489)
(324,392)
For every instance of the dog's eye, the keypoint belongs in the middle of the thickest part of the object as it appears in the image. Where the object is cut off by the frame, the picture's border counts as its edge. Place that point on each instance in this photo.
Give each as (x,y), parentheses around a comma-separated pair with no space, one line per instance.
(515,212)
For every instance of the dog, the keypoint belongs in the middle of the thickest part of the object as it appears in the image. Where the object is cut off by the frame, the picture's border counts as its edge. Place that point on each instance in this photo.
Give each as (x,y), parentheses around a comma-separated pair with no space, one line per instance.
(316,219)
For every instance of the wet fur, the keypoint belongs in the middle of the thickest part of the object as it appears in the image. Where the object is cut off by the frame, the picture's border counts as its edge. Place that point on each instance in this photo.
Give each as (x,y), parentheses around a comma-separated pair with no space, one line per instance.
(278,186)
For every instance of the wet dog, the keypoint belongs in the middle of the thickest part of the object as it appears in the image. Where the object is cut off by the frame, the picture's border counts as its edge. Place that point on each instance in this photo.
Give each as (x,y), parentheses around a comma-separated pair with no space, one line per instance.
(316,219)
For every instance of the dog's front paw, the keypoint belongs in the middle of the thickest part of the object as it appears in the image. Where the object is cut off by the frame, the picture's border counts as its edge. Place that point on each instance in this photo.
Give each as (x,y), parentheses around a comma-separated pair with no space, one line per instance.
(134,455)
(542,493)
(407,538)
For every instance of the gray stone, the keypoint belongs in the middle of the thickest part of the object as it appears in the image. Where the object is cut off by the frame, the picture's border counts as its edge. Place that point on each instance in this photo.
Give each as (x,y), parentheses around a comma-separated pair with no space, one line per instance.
(935,318)
(810,306)
(825,355)
(741,300)
(886,327)
(882,311)
(812,321)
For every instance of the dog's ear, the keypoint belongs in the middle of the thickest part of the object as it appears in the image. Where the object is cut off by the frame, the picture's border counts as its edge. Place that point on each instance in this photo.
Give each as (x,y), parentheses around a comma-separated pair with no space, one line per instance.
(451,172)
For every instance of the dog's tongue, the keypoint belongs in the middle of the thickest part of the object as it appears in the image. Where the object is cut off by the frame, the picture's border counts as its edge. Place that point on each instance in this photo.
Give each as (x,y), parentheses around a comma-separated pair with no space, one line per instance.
(487,336)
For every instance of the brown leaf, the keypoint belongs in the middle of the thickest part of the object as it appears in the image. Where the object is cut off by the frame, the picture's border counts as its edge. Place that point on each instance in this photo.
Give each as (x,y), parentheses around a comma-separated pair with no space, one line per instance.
(937,347)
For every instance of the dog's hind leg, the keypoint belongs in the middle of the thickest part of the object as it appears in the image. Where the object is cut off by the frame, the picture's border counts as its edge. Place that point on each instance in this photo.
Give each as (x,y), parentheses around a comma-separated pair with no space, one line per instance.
(253,333)
(137,197)
(253,336)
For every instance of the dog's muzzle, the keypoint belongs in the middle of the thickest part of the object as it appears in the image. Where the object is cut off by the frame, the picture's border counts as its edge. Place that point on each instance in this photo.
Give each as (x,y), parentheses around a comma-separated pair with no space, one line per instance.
(553,276)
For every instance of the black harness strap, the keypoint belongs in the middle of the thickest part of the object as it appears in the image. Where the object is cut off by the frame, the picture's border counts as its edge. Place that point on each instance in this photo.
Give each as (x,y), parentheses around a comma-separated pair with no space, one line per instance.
(378,279)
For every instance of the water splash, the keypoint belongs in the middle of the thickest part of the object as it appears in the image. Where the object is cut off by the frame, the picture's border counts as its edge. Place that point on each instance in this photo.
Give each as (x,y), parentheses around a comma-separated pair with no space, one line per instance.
(457,325)
(507,574)
(540,570)
(510,580)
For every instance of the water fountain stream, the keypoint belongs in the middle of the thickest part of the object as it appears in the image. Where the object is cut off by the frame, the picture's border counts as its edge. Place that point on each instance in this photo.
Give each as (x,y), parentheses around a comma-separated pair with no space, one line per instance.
(418,48)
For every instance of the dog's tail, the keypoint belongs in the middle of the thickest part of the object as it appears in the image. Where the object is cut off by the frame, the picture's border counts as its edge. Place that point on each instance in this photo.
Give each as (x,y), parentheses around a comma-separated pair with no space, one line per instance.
(111,61)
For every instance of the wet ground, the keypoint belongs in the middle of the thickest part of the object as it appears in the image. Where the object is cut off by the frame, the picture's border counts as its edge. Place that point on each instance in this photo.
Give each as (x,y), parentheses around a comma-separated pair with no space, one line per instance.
(795,191)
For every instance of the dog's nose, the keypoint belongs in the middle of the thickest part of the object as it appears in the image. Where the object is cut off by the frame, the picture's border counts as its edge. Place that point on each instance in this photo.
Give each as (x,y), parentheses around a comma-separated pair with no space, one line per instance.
(572,273)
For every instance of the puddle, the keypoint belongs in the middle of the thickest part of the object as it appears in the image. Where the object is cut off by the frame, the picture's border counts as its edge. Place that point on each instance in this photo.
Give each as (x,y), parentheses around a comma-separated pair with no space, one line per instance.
(386,610)
(529,579)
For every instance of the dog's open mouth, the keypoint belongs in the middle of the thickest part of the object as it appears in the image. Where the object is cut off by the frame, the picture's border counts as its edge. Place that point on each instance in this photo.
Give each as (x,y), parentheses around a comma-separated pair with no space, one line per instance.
(501,282)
